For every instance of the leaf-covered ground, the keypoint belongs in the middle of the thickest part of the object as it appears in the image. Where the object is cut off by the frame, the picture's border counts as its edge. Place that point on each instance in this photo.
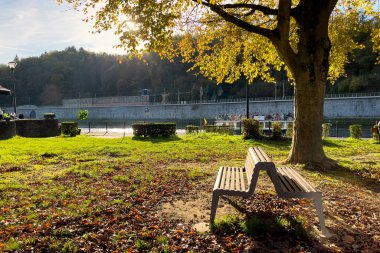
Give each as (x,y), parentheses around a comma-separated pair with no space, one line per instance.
(87,194)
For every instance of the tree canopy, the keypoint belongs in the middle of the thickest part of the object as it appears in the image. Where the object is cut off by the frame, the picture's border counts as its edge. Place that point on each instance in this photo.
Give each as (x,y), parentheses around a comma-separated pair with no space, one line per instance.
(227,39)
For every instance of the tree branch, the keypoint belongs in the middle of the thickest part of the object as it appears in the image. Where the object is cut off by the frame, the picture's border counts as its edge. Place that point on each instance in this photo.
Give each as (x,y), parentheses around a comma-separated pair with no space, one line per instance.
(238,22)
(283,20)
(253,7)
(282,31)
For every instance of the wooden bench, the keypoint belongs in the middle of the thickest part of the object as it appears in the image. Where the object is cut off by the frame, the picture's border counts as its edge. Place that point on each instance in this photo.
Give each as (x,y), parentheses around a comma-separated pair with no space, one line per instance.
(233,181)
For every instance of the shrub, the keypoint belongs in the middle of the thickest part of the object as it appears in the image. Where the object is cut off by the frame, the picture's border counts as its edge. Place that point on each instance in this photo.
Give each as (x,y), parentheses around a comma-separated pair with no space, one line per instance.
(375,132)
(356,131)
(192,129)
(289,130)
(251,129)
(7,129)
(154,129)
(219,129)
(82,114)
(49,115)
(326,130)
(276,130)
(70,129)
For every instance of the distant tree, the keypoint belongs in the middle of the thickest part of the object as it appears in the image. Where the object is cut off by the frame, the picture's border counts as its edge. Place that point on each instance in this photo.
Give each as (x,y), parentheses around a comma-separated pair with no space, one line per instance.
(51,95)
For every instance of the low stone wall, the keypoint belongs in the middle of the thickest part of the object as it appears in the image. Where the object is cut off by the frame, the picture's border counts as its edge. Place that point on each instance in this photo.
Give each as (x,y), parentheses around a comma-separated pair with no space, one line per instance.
(37,127)
(7,129)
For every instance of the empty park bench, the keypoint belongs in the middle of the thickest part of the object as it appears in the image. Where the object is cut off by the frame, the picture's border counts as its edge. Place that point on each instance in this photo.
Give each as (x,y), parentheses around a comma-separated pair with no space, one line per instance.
(233,181)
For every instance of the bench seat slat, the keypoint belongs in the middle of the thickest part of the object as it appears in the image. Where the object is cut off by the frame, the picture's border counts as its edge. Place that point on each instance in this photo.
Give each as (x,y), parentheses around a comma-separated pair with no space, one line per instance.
(297,179)
(237,178)
(259,154)
(224,177)
(288,177)
(265,155)
(233,179)
(218,178)
(228,178)
(301,180)
(285,186)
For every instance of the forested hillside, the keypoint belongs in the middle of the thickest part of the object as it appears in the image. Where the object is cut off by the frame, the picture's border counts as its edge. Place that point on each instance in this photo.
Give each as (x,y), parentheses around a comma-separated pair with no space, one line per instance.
(75,73)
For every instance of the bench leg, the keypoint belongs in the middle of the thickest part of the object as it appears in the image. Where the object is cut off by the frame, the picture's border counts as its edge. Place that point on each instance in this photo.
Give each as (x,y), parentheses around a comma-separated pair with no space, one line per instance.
(319,207)
(214,206)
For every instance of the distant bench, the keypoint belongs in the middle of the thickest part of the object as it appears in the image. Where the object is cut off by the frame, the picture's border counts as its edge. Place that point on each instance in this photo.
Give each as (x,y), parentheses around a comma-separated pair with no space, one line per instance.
(288,183)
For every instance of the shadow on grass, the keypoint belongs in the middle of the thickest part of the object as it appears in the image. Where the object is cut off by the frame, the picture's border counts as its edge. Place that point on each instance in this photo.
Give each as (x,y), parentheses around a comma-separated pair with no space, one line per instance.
(345,174)
(268,231)
(156,139)
(330,144)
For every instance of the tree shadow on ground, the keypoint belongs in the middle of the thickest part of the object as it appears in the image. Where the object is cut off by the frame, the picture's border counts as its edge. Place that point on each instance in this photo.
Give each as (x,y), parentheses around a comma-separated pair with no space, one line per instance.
(156,139)
(330,144)
(342,173)
(267,232)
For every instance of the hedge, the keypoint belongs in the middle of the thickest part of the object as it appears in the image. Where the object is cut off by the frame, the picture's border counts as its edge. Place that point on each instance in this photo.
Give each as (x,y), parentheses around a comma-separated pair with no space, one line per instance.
(192,129)
(7,129)
(375,132)
(70,129)
(276,130)
(289,130)
(356,131)
(37,127)
(326,130)
(219,129)
(49,115)
(154,129)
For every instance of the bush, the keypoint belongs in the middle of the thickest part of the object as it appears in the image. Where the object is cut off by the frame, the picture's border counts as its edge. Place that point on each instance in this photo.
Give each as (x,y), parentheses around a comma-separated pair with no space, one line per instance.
(37,127)
(326,130)
(251,129)
(49,115)
(82,114)
(154,129)
(192,129)
(289,130)
(7,129)
(219,129)
(375,132)
(276,130)
(356,131)
(70,129)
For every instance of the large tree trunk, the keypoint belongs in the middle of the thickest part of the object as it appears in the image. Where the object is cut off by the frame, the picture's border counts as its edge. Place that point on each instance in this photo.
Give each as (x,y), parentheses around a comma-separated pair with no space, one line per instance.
(310,72)
(308,112)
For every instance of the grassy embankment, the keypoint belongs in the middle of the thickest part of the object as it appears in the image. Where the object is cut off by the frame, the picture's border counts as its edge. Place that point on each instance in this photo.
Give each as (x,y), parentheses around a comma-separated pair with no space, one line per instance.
(66,194)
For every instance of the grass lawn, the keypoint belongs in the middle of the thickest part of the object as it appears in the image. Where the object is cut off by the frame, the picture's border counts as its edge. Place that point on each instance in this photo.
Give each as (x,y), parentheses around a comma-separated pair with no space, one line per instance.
(88,194)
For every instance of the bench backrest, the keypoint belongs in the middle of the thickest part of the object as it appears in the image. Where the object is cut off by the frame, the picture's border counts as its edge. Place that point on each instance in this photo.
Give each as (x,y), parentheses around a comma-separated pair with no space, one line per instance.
(256,160)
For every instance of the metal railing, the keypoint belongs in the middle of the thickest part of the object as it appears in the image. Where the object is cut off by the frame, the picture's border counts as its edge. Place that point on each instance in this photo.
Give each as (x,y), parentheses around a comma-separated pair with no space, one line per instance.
(232,100)
(285,98)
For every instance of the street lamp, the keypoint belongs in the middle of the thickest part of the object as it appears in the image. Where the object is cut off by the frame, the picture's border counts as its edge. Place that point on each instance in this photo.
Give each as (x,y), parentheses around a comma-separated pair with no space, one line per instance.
(12,65)
(247,99)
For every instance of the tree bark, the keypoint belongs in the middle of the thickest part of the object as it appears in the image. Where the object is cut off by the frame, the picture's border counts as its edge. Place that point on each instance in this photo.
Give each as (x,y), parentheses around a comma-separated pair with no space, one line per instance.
(308,112)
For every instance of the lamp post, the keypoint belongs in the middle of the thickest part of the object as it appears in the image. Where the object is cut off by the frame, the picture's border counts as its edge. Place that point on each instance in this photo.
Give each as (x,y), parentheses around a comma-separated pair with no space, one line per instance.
(247,99)
(12,65)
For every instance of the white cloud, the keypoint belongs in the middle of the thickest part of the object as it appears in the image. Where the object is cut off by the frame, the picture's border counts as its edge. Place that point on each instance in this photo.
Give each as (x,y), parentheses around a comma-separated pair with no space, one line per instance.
(32,27)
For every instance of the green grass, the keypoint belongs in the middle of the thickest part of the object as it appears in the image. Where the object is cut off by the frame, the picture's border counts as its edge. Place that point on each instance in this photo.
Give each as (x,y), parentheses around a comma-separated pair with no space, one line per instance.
(62,182)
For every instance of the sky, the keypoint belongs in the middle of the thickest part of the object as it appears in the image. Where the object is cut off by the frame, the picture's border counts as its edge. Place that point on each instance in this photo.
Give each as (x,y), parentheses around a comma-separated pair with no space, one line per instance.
(33,27)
